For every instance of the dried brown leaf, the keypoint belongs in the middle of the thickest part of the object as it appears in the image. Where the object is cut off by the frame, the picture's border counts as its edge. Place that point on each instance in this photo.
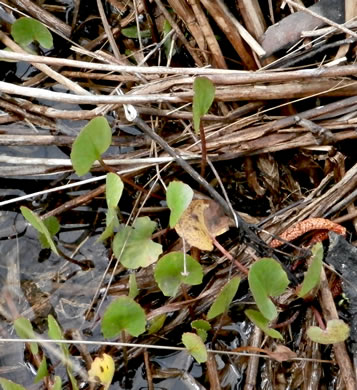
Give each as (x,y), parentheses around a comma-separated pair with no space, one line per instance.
(202,220)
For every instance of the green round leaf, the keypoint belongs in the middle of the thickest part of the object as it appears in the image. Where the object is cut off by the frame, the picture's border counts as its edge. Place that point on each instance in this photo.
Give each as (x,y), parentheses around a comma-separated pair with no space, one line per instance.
(123,314)
(336,331)
(133,245)
(312,277)
(204,91)
(93,140)
(28,30)
(113,189)
(169,272)
(267,279)
(24,330)
(261,322)
(195,346)
(178,197)
(224,298)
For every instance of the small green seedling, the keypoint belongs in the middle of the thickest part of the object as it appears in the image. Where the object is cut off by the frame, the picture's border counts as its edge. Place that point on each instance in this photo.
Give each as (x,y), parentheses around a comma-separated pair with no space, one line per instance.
(113,192)
(195,346)
(123,314)
(204,91)
(312,277)
(92,141)
(28,30)
(40,226)
(55,333)
(42,371)
(24,330)
(134,247)
(224,298)
(169,272)
(178,197)
(267,279)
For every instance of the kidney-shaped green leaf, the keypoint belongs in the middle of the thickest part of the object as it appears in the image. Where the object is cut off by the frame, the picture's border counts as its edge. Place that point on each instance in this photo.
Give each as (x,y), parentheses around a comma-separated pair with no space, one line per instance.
(195,346)
(267,279)
(335,332)
(178,197)
(123,314)
(169,272)
(39,225)
(261,322)
(224,298)
(204,91)
(27,30)
(133,245)
(93,140)
(312,277)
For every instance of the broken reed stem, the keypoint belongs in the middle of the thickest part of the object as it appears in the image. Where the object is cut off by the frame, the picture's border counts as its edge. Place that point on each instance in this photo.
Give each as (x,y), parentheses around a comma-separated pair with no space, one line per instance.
(240,266)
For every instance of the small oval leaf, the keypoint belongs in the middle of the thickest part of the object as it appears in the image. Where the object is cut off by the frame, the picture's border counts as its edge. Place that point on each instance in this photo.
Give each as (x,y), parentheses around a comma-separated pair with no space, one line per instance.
(336,331)
(204,91)
(113,189)
(195,346)
(123,314)
(39,225)
(42,371)
(267,279)
(312,277)
(224,298)
(24,330)
(178,198)
(93,140)
(169,272)
(261,322)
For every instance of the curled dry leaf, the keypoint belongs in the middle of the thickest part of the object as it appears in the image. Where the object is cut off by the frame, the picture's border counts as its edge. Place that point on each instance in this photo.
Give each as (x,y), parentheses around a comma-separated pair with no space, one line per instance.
(202,220)
(281,353)
(308,225)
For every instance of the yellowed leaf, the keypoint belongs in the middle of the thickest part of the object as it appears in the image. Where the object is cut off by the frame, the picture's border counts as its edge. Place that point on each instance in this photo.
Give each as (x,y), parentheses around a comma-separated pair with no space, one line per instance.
(202,220)
(102,370)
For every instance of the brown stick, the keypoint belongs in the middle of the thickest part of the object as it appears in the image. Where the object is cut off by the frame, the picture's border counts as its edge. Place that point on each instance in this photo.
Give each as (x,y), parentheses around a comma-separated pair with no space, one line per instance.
(330,312)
